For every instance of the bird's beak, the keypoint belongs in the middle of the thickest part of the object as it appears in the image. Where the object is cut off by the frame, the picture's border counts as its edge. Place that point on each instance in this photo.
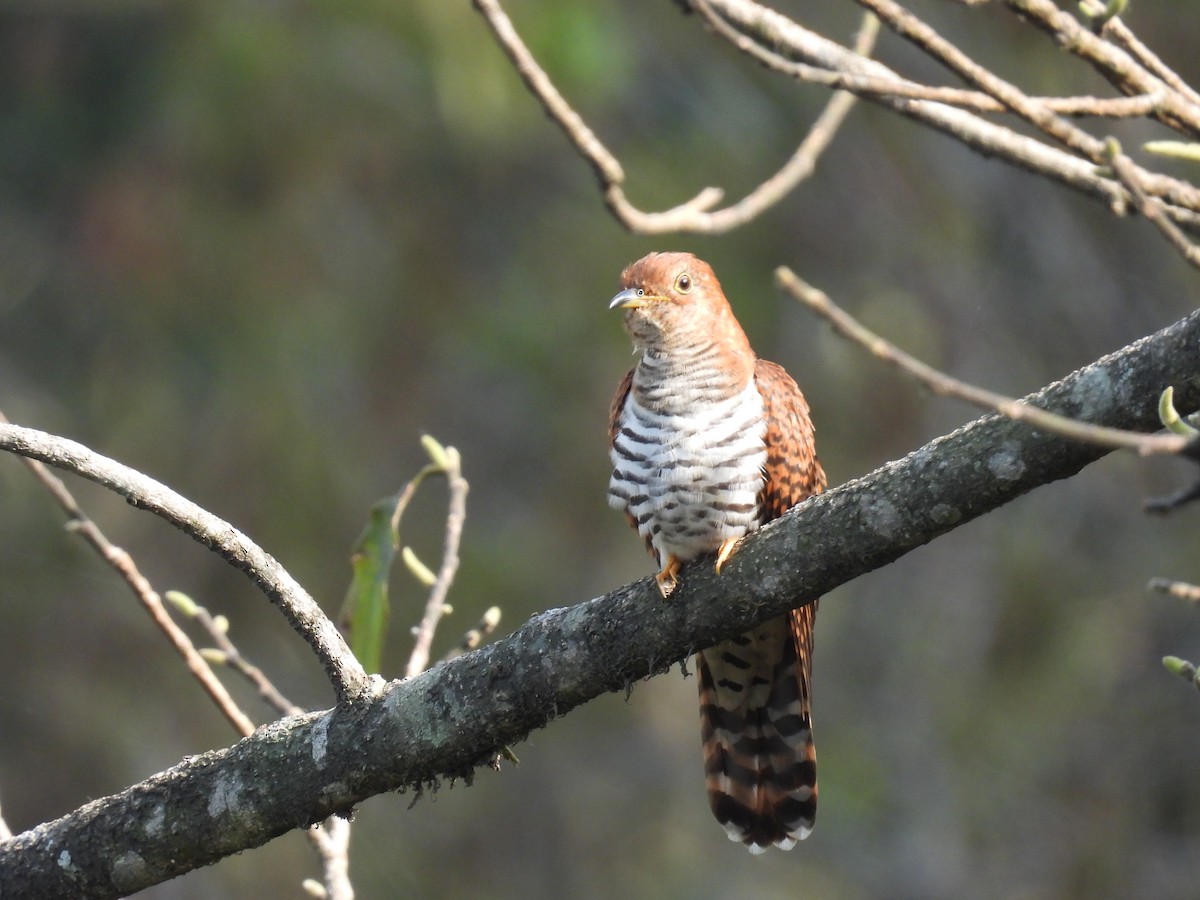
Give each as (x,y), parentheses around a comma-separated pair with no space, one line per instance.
(628,299)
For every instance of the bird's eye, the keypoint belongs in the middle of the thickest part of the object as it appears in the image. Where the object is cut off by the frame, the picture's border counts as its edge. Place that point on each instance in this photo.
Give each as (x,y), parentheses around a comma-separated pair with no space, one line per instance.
(683,283)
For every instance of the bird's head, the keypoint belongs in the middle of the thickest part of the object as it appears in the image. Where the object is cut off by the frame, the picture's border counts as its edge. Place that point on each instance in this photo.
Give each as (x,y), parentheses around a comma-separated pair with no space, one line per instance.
(674,301)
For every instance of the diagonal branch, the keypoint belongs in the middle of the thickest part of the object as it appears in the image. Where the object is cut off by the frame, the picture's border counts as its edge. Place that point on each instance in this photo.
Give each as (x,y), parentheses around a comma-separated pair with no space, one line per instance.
(1134,69)
(305,616)
(697,215)
(786,46)
(80,523)
(790,40)
(941,383)
(454,717)
(977,101)
(1151,208)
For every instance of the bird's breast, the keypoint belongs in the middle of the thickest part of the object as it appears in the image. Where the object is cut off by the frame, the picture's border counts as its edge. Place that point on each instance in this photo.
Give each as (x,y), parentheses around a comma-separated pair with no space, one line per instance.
(689,473)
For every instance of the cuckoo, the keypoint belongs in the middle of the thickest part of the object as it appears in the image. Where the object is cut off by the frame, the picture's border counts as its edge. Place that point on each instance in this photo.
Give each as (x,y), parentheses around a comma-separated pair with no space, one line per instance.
(708,442)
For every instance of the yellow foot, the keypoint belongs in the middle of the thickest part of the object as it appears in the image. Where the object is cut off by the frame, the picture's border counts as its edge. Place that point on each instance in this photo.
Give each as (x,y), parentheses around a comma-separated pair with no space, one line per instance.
(725,551)
(668,578)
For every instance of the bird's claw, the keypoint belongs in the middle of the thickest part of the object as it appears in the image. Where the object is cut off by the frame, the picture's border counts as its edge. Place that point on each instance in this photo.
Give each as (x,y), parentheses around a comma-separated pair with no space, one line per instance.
(668,578)
(725,551)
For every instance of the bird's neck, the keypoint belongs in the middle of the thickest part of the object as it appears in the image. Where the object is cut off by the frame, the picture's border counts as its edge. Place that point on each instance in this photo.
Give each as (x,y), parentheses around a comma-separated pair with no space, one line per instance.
(683,377)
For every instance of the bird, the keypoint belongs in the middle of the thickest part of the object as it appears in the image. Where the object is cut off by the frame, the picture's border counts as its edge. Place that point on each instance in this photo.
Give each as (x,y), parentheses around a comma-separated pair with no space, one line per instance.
(708,442)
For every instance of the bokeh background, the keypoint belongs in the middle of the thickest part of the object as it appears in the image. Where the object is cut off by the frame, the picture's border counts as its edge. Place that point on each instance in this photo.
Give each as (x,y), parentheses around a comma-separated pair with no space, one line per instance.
(256,249)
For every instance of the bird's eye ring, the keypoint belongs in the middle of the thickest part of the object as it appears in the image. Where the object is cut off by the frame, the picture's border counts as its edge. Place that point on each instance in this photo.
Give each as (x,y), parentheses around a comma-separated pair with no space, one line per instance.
(683,283)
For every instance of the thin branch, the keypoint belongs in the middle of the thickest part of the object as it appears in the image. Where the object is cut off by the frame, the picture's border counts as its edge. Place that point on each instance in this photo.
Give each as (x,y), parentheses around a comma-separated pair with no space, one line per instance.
(914,29)
(697,215)
(801,164)
(772,29)
(944,385)
(608,170)
(305,616)
(1151,208)
(1135,71)
(1149,60)
(435,606)
(331,839)
(150,599)
(1172,502)
(869,85)
(229,655)
(487,623)
(842,68)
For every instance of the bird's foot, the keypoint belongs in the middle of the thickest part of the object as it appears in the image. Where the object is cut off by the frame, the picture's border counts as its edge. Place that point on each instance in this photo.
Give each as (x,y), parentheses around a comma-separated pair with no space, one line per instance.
(726,550)
(668,578)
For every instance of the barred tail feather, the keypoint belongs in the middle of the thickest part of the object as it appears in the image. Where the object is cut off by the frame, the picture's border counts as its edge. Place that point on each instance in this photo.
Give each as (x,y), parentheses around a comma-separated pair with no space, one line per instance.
(756,726)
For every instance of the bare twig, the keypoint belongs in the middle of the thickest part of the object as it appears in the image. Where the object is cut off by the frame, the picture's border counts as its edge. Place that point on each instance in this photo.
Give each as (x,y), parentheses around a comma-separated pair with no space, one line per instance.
(436,604)
(914,29)
(789,38)
(1135,69)
(800,53)
(305,616)
(895,87)
(1174,501)
(228,654)
(1149,60)
(124,565)
(607,169)
(1150,207)
(331,839)
(801,164)
(940,383)
(473,638)
(697,215)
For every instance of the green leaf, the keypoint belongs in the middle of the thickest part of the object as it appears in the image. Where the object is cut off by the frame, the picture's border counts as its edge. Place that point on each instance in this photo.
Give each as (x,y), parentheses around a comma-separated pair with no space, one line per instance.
(366,611)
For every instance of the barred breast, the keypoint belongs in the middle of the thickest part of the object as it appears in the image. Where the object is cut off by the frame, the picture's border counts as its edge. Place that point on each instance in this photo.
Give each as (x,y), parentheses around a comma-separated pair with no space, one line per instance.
(688,466)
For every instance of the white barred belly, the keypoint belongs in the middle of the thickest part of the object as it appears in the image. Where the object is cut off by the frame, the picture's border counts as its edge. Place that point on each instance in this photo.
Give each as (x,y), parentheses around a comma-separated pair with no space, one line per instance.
(689,482)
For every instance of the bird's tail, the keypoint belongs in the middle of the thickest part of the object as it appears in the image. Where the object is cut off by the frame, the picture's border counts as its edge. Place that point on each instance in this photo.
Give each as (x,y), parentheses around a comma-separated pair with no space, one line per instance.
(756,725)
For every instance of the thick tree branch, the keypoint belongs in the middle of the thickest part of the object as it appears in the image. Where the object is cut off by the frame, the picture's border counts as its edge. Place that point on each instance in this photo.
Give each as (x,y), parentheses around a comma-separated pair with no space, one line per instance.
(305,616)
(451,719)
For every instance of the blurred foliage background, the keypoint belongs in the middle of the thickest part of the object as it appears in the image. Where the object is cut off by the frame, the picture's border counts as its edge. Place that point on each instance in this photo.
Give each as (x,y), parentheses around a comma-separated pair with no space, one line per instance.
(256,249)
